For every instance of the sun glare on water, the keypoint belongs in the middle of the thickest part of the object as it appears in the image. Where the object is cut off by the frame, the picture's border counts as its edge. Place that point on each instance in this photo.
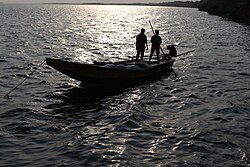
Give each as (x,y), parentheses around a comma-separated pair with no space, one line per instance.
(111,29)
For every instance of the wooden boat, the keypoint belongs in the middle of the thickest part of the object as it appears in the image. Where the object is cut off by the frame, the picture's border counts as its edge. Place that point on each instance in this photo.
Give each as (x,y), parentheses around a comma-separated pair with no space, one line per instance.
(117,73)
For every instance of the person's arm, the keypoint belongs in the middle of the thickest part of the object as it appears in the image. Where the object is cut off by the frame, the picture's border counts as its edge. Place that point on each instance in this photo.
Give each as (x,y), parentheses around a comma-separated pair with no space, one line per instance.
(136,42)
(152,39)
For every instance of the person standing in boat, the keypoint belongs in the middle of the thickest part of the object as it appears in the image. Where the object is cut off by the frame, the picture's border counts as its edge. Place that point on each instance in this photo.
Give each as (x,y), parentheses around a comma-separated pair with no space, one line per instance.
(156,44)
(141,44)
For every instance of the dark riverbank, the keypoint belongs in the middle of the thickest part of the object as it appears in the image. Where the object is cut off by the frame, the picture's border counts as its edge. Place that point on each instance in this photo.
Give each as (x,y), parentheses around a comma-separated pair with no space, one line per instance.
(235,10)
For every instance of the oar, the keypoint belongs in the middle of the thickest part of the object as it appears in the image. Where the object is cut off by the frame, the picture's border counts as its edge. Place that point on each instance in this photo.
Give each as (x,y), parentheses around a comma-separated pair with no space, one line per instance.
(24,79)
(185,53)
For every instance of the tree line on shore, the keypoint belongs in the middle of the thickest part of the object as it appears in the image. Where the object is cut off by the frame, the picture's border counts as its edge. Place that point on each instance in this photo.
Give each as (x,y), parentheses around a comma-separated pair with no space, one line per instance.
(189,4)
(237,10)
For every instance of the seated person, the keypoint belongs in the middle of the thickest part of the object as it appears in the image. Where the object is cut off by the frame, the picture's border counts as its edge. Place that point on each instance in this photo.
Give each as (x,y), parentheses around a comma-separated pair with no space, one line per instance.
(172,51)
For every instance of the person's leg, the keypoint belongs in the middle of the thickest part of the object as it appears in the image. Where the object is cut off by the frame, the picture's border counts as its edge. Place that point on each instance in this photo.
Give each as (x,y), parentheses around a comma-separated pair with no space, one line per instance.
(142,54)
(158,54)
(151,53)
(137,55)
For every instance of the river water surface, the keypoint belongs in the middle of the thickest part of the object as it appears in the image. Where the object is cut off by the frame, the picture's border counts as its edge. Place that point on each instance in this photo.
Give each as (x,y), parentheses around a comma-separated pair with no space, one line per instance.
(199,118)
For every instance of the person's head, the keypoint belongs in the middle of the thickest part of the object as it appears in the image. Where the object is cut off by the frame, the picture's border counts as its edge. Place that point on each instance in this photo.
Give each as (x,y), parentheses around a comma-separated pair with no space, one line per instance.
(142,30)
(157,32)
(171,47)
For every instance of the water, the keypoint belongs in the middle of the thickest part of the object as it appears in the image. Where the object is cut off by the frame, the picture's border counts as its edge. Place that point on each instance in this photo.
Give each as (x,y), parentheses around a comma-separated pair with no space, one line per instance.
(200,118)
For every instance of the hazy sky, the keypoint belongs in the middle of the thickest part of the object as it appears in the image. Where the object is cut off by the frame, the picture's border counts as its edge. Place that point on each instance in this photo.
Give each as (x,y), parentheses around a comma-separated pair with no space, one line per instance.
(82,1)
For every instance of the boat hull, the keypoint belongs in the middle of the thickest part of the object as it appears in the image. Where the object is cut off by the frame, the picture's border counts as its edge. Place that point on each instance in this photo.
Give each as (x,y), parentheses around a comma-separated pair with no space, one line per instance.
(99,74)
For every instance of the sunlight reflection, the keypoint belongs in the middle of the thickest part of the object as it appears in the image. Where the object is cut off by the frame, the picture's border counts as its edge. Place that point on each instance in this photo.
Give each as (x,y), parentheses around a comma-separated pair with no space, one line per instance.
(83,55)
(154,146)
(114,153)
(119,149)
(177,145)
(127,102)
(109,30)
(133,98)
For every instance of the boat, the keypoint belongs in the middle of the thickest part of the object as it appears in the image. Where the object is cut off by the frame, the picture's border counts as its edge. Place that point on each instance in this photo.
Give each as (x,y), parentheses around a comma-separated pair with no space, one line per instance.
(113,73)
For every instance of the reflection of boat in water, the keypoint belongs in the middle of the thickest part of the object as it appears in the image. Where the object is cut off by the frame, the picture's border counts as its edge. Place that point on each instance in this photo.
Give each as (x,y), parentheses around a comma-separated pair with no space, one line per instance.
(88,95)
(117,73)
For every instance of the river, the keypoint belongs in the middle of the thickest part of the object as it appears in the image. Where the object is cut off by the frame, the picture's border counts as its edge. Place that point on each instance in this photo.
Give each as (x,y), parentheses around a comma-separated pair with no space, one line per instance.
(199,118)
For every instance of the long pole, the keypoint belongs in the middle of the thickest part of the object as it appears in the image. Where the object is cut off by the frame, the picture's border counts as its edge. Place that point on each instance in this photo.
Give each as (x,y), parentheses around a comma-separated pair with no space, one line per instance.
(24,79)
(185,53)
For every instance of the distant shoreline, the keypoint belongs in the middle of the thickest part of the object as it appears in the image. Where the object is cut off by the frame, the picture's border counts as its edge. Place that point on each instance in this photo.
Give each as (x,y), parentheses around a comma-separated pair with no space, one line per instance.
(187,4)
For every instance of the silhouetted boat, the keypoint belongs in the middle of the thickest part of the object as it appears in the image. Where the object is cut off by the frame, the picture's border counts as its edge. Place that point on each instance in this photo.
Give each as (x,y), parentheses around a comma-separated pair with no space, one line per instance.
(116,73)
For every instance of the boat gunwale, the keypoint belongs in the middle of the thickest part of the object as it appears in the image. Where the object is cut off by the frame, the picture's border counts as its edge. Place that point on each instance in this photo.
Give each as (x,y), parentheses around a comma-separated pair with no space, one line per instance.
(100,67)
(92,73)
